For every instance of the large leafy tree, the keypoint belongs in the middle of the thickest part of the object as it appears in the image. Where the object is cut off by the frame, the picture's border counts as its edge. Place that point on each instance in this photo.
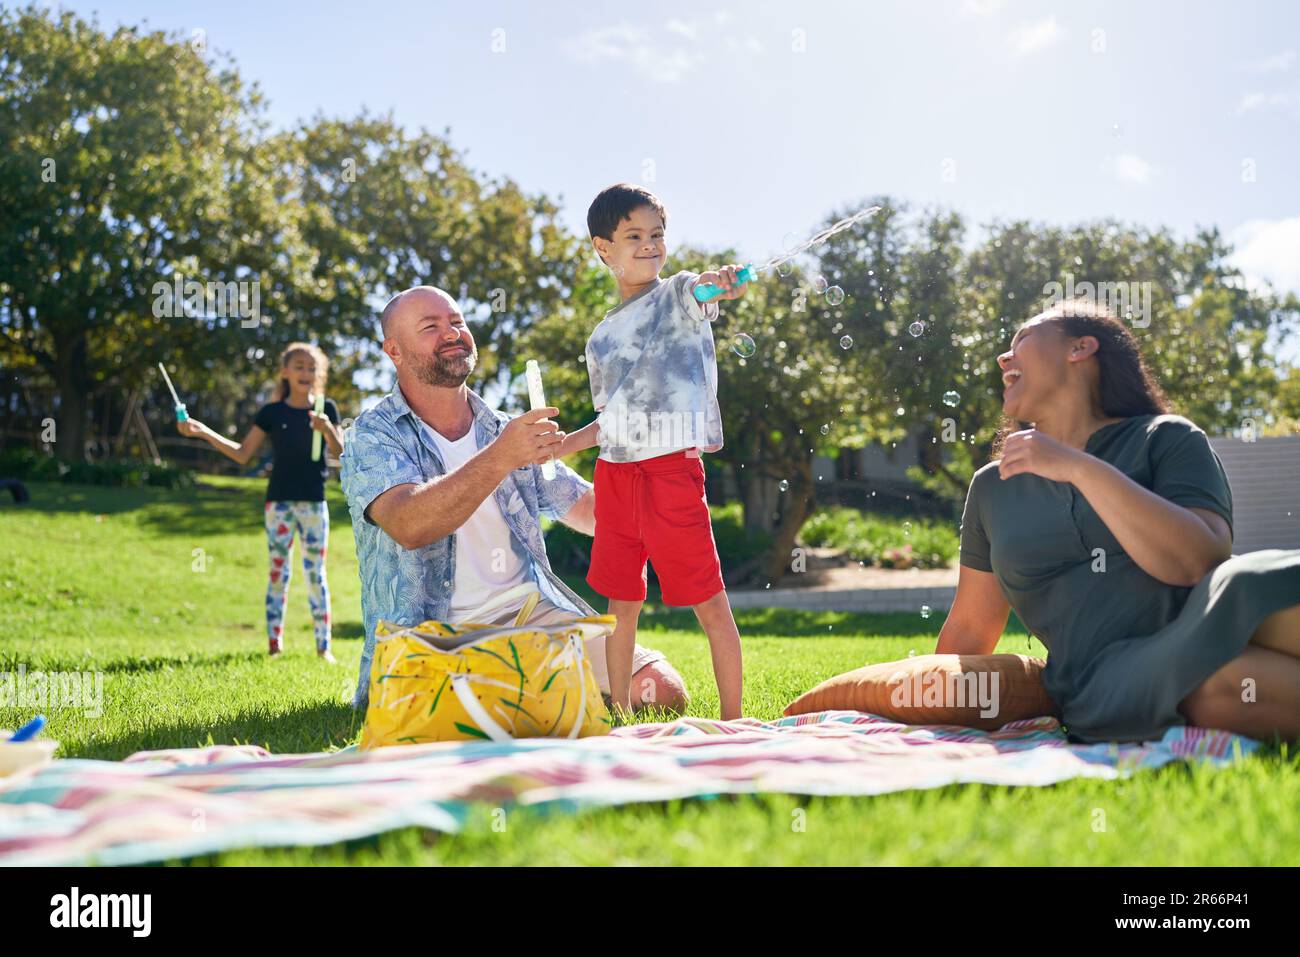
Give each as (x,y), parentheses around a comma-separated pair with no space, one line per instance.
(386,209)
(128,159)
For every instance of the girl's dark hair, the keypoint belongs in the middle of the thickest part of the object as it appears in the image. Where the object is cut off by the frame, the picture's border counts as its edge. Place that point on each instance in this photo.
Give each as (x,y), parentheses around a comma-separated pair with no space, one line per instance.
(1125,384)
(615,203)
(322,368)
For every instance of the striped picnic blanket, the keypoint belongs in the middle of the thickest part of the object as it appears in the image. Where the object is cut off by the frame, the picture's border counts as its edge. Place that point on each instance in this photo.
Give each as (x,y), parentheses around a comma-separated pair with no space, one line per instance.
(160,805)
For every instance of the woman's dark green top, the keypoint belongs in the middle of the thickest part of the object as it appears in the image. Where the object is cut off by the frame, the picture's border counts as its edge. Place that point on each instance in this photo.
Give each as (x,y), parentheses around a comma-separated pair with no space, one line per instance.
(1124,648)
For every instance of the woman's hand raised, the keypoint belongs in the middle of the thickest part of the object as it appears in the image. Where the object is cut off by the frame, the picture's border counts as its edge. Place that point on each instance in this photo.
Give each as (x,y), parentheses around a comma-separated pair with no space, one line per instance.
(1037,453)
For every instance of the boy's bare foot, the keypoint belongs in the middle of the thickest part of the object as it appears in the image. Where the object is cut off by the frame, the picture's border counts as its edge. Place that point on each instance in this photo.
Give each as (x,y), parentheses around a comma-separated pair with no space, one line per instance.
(325,655)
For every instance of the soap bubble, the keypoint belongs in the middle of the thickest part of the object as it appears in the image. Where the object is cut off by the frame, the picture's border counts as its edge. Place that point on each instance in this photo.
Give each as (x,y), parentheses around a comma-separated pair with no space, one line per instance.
(835,295)
(582,358)
(784,268)
(783,485)
(825,429)
(900,411)
(925,611)
(846,342)
(907,528)
(916,328)
(819,283)
(951,398)
(742,345)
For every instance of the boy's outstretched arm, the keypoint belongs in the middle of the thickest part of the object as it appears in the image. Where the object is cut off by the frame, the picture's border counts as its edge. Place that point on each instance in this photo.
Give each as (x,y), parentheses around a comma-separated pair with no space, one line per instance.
(585,438)
(726,278)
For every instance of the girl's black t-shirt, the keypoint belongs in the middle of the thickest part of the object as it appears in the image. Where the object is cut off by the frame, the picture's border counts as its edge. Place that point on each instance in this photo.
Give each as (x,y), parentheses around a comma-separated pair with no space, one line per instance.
(294,476)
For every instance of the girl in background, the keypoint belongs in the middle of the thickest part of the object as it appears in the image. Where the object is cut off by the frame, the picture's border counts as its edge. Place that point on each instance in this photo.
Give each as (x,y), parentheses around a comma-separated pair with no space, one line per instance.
(295,494)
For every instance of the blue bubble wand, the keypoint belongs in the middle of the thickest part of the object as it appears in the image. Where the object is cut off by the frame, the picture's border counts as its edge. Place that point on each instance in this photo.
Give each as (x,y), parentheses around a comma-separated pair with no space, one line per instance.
(706,291)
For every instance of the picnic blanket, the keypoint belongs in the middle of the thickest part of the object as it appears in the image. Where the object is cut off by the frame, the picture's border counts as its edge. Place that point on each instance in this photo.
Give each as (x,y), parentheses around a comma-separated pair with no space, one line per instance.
(160,805)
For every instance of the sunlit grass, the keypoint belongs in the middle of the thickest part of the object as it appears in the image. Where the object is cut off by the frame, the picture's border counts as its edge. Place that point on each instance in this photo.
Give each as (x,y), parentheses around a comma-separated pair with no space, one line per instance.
(109,581)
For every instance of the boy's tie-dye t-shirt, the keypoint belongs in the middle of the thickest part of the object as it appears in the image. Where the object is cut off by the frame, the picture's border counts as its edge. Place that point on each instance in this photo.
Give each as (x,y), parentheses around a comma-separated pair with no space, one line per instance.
(654,374)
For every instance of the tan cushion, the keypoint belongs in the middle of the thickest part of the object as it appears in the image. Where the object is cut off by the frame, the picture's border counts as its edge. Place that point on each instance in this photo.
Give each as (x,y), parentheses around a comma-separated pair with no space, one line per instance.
(975,691)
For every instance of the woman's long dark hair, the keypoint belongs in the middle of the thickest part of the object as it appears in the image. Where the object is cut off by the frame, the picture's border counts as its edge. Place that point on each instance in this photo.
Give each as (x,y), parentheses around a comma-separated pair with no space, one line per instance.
(1125,383)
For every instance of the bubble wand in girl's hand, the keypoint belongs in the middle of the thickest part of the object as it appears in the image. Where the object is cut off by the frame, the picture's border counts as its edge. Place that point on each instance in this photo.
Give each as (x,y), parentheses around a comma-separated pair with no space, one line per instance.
(181,414)
(316,436)
(707,291)
(537,399)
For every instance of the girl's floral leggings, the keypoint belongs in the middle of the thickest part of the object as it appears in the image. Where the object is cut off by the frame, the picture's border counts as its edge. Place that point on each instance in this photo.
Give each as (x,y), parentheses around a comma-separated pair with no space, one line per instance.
(311,522)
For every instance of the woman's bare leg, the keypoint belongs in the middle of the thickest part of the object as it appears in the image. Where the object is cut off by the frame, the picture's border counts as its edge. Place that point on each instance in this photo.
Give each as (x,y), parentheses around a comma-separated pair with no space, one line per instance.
(1280,632)
(1256,694)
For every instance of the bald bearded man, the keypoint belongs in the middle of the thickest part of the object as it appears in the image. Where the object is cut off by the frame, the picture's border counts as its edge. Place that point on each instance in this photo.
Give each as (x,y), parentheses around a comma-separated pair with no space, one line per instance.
(446,493)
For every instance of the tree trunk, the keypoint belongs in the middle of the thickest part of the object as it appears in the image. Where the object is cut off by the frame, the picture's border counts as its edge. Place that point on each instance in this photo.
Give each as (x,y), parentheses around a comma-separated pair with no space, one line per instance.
(930,456)
(70,423)
(755,491)
(796,506)
(758,504)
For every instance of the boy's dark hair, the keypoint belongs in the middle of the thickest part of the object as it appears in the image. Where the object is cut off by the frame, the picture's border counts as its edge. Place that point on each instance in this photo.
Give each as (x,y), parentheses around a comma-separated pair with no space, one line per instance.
(615,203)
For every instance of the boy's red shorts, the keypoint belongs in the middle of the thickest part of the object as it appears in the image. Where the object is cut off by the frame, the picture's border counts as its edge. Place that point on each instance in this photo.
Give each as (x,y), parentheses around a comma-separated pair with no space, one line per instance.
(654,509)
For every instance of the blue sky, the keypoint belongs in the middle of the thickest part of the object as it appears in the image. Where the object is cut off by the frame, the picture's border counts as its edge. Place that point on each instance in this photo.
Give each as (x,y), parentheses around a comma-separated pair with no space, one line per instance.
(755,120)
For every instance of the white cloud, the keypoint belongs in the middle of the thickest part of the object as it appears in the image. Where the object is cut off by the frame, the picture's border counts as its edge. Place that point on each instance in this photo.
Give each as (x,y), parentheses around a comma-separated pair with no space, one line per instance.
(606,43)
(1035,37)
(1130,168)
(1251,102)
(1269,250)
(625,43)
(690,31)
(1277,63)
(981,8)
(666,59)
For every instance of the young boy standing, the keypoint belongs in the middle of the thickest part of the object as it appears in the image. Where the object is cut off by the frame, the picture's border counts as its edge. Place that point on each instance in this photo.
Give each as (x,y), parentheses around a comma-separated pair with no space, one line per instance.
(653,374)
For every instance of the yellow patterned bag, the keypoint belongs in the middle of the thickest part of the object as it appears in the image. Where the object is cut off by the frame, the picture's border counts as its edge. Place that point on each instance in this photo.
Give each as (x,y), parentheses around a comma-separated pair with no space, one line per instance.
(440,682)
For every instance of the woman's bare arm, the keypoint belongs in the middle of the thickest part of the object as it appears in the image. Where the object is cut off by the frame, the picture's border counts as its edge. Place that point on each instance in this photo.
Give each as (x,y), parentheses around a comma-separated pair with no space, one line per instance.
(978,617)
(1171,543)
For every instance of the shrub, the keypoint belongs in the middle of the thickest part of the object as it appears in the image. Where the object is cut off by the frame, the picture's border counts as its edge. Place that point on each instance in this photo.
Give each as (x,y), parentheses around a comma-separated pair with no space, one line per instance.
(880,540)
(121,473)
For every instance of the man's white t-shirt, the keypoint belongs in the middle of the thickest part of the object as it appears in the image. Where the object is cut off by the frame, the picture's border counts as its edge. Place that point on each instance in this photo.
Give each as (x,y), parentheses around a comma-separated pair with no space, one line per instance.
(486,562)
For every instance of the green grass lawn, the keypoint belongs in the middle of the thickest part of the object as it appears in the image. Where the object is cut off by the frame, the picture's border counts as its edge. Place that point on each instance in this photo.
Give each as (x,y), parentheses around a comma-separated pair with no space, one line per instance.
(107,580)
